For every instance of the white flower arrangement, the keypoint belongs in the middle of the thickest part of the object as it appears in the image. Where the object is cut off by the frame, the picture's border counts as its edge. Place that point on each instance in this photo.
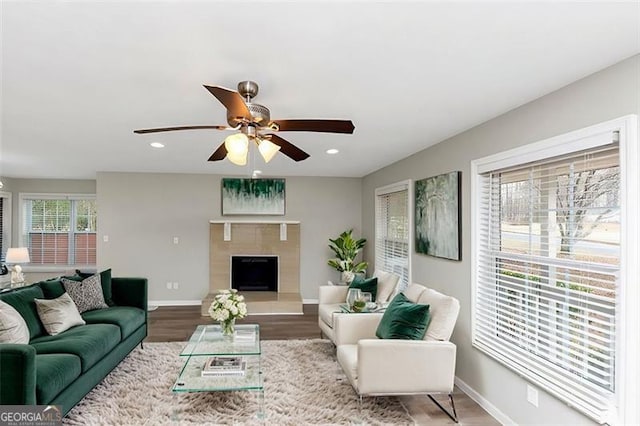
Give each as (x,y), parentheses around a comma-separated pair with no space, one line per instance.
(228,306)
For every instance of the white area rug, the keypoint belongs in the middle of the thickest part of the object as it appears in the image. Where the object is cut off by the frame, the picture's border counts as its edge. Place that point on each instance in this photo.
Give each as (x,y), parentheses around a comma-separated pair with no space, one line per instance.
(303,385)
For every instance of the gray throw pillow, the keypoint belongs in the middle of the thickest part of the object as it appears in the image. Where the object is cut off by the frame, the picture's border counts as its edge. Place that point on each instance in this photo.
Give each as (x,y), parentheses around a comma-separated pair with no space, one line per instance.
(58,315)
(86,294)
(13,328)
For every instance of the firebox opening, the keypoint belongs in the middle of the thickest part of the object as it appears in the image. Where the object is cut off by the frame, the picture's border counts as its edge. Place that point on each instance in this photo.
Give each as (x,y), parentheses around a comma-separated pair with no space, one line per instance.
(254,273)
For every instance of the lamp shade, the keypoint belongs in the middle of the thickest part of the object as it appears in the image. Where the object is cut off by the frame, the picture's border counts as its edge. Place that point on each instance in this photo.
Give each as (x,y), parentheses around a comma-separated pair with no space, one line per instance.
(237,159)
(17,255)
(267,149)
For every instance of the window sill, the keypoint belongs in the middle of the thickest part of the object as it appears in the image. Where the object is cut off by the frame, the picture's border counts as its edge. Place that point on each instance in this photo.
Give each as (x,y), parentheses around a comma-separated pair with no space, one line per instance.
(56,268)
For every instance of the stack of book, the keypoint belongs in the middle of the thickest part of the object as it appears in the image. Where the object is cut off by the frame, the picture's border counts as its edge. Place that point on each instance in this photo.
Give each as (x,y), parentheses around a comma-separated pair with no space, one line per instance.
(217,366)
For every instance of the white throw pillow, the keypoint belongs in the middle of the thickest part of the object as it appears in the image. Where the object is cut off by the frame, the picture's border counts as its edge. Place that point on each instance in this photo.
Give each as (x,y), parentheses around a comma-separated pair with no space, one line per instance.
(387,283)
(414,291)
(58,315)
(13,328)
(444,314)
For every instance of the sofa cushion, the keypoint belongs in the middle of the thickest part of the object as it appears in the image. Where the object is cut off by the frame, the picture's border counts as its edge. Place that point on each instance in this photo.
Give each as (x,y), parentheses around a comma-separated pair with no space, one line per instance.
(90,342)
(105,282)
(54,372)
(13,328)
(59,314)
(129,319)
(403,319)
(326,311)
(387,283)
(444,314)
(367,285)
(52,288)
(86,294)
(22,300)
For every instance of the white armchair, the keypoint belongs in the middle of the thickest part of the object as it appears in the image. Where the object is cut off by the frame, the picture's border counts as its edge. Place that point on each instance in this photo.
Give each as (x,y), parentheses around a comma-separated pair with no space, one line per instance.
(331,296)
(398,367)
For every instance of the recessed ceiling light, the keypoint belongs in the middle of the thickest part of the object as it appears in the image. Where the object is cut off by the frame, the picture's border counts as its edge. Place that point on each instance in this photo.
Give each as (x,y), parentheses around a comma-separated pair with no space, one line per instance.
(157,145)
(332,151)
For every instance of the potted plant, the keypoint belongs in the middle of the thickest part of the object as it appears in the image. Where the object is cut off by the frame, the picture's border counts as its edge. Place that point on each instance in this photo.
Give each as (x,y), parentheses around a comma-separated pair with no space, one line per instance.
(346,249)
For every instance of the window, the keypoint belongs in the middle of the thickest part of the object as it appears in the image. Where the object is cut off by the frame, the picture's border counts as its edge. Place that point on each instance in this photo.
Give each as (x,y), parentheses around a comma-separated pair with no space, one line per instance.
(393,228)
(59,229)
(547,266)
(5,223)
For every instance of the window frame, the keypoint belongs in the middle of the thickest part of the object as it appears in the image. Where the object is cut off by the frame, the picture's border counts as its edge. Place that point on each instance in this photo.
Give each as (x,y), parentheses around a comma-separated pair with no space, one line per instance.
(6,225)
(389,189)
(627,391)
(23,214)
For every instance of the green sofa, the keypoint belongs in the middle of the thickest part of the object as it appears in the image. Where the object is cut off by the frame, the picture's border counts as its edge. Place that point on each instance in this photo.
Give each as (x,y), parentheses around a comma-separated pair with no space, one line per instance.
(62,369)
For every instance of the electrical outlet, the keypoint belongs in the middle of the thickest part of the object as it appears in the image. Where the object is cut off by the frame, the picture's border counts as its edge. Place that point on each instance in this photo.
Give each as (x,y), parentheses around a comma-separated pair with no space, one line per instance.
(176,240)
(176,286)
(169,286)
(105,238)
(532,395)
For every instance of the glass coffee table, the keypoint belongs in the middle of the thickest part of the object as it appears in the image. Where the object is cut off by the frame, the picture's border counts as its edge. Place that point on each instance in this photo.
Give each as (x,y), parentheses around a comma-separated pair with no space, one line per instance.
(207,341)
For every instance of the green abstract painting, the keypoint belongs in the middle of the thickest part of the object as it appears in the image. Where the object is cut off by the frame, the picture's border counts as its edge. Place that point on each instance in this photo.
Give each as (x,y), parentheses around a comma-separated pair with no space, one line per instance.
(437,218)
(253,196)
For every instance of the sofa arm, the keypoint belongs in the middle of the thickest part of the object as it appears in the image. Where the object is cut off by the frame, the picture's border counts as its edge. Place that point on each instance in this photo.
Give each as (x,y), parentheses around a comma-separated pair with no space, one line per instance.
(331,294)
(130,292)
(410,366)
(348,329)
(18,373)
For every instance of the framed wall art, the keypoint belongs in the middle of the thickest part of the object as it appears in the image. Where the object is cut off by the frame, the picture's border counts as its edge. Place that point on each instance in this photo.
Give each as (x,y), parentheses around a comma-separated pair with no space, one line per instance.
(437,216)
(253,196)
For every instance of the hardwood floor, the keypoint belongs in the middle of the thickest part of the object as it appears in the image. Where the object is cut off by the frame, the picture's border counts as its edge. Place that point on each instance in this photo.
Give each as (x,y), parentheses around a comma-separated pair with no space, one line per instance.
(176,323)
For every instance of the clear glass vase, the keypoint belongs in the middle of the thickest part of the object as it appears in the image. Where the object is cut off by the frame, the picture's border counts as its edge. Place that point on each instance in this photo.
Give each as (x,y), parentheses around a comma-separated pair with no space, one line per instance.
(352,295)
(228,327)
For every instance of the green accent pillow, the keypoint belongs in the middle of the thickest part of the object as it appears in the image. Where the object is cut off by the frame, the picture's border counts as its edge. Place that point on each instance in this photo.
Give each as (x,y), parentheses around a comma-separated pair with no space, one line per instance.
(105,282)
(366,285)
(404,319)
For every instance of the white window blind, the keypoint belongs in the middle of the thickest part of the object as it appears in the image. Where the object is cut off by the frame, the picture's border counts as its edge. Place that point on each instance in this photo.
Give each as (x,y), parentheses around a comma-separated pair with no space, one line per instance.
(5,223)
(393,225)
(59,229)
(548,265)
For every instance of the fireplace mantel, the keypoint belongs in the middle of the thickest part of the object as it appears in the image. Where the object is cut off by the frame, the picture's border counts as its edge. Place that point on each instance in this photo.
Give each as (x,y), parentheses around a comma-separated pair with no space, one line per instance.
(256,237)
(276,222)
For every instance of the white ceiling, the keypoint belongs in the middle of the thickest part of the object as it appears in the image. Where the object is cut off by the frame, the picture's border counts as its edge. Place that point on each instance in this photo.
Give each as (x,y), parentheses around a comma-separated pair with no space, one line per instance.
(78,77)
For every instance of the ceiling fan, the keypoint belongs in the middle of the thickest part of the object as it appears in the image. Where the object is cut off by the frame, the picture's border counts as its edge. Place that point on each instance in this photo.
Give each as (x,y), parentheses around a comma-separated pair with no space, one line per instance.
(253,121)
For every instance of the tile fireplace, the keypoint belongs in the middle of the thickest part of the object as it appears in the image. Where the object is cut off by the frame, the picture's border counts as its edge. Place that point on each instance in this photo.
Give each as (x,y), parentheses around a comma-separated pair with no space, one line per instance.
(255,242)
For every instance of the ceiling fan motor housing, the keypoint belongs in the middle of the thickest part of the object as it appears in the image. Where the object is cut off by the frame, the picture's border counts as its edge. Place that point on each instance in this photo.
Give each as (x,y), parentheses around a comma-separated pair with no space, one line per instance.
(259,115)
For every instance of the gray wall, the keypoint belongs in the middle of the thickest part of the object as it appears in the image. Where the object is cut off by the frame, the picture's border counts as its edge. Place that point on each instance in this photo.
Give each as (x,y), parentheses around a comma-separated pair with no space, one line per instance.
(142,212)
(608,94)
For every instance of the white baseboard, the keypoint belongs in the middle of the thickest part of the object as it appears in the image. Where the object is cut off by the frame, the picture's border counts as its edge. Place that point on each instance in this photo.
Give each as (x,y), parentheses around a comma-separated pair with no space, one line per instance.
(175,302)
(484,403)
(309,301)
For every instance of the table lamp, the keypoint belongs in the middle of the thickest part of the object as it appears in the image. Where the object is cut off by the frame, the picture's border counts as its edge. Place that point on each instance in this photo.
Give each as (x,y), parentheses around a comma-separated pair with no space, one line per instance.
(16,256)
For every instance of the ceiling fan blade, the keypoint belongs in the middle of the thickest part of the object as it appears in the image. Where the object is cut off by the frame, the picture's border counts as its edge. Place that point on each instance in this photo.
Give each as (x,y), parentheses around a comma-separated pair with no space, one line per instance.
(231,100)
(328,126)
(219,153)
(171,129)
(287,148)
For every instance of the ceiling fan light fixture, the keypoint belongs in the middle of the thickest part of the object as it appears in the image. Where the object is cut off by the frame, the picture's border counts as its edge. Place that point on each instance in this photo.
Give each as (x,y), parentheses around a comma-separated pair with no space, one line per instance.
(237,146)
(237,159)
(267,149)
